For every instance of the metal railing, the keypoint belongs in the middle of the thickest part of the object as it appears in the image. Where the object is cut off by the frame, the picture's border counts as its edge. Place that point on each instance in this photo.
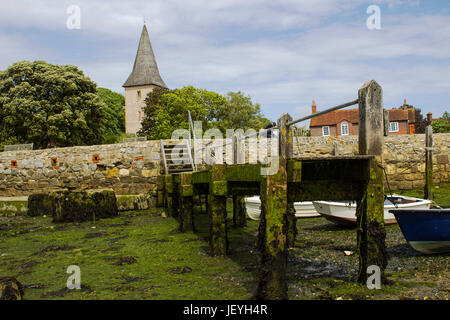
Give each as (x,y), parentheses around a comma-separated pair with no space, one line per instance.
(240,138)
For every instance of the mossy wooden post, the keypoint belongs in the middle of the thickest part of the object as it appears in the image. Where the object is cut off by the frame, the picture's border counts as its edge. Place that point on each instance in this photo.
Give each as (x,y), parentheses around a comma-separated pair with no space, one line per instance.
(160,191)
(272,239)
(218,240)
(239,218)
(371,234)
(186,192)
(171,200)
(428,163)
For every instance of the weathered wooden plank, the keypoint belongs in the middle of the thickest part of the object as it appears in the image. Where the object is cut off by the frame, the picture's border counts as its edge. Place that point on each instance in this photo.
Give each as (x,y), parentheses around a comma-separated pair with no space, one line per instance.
(327,190)
(243,172)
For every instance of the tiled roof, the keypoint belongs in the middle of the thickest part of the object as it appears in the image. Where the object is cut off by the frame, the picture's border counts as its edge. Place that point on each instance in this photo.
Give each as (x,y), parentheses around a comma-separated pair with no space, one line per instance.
(145,70)
(351,115)
(335,117)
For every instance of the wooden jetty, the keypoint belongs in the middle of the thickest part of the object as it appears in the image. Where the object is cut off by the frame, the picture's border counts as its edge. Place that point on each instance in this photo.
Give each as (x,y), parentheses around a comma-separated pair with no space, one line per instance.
(358,178)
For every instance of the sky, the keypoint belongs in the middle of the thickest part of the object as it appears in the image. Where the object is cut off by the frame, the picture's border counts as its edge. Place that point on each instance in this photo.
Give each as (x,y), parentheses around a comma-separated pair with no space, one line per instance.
(283,53)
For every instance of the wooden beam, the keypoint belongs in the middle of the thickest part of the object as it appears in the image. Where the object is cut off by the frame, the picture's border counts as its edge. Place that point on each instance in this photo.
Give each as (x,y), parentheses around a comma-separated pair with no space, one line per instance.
(428,163)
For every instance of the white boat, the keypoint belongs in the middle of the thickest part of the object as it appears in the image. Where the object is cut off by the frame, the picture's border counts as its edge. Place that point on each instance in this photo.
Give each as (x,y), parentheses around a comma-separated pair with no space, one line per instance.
(302,209)
(344,213)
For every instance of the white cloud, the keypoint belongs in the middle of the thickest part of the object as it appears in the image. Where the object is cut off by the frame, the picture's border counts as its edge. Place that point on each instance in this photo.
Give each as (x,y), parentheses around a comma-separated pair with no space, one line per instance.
(283,53)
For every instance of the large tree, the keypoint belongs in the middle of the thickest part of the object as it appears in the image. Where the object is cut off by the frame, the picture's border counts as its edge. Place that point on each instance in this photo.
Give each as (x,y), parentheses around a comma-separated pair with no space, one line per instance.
(239,112)
(49,105)
(115,114)
(166,110)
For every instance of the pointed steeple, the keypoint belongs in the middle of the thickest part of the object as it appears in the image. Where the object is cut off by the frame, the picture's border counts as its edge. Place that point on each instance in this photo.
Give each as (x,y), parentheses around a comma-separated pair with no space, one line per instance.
(145,70)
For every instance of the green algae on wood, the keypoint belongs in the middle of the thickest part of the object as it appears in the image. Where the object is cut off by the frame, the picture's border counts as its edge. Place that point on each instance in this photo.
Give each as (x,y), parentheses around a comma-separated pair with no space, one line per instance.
(272,240)
(371,233)
(239,214)
(217,200)
(186,192)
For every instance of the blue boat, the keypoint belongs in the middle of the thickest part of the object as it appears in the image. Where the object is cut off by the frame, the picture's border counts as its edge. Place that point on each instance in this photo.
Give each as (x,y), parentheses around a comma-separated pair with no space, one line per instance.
(427,231)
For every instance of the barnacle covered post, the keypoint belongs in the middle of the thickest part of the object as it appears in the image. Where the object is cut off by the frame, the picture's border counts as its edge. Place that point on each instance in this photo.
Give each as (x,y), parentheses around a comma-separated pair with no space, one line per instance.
(274,224)
(371,234)
(217,199)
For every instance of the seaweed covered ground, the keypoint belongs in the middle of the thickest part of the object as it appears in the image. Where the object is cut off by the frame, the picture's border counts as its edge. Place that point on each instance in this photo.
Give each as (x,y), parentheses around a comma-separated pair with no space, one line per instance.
(141,255)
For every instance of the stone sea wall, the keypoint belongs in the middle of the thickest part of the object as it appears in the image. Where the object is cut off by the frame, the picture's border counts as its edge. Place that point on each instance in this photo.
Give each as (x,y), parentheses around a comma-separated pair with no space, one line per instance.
(126,168)
(132,168)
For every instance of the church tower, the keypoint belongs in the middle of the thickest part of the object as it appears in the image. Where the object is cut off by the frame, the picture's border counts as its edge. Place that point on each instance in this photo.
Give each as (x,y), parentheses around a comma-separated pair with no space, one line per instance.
(144,77)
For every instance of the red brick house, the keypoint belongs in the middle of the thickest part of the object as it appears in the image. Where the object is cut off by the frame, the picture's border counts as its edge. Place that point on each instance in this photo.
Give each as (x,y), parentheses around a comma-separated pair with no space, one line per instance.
(345,122)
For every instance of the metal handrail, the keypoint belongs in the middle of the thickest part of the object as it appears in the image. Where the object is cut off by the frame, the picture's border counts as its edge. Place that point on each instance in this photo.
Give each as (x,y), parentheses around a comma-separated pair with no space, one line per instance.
(191,127)
(341,106)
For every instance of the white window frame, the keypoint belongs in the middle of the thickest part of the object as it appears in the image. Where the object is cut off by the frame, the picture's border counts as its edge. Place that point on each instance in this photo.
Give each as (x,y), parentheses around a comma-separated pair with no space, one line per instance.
(323,131)
(395,127)
(342,126)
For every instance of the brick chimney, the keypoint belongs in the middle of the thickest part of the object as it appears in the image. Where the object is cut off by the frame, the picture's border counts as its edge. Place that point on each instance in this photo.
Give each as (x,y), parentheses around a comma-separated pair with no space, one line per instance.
(404,104)
(314,107)
(429,117)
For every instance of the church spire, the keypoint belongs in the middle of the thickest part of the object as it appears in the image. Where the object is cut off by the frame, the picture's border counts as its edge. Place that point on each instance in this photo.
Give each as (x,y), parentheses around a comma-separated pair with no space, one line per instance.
(145,70)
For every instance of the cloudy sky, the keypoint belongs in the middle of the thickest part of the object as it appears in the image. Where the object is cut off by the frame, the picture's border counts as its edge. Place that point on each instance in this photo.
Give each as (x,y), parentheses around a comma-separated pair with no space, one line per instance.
(283,53)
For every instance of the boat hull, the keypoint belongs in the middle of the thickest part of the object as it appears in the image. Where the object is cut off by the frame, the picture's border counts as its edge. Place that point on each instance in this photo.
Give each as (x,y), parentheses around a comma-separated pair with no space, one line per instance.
(302,209)
(345,213)
(427,231)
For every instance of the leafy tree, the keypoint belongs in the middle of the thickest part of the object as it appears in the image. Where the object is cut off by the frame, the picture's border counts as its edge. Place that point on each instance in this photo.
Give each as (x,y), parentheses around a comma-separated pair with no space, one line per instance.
(115,114)
(166,110)
(239,112)
(49,105)
(441,125)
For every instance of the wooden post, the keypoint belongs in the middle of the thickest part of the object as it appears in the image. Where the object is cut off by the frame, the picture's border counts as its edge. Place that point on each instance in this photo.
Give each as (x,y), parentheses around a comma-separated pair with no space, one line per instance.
(371,119)
(186,191)
(239,217)
(292,225)
(168,191)
(371,234)
(217,199)
(386,122)
(160,191)
(428,163)
(272,238)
